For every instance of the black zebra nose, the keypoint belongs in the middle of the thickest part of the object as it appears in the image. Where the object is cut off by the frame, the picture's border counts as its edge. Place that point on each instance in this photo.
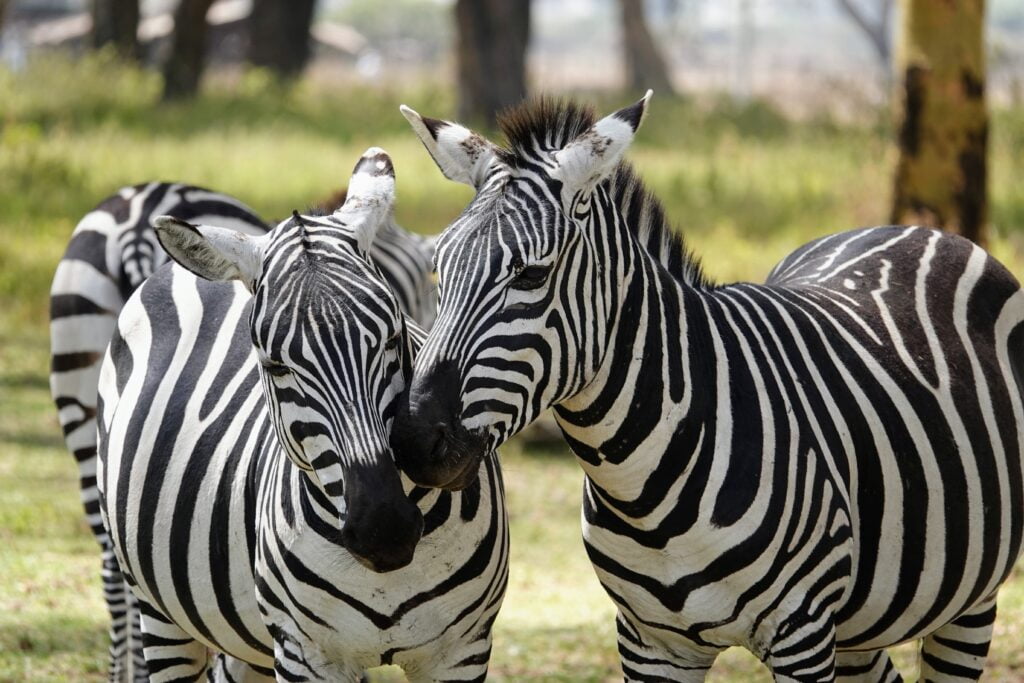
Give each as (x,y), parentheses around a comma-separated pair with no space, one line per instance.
(382,526)
(430,444)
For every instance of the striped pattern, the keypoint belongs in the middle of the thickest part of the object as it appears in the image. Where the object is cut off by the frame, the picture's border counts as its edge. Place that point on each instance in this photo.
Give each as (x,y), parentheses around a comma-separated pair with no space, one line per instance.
(815,468)
(112,250)
(240,437)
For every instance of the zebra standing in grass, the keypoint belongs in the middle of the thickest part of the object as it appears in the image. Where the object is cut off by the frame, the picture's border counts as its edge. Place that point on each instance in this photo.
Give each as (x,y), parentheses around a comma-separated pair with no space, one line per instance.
(245,473)
(815,469)
(113,249)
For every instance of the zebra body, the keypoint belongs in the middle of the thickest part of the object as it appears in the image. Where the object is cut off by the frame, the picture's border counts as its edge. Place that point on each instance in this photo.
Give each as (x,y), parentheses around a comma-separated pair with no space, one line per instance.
(816,468)
(230,512)
(111,252)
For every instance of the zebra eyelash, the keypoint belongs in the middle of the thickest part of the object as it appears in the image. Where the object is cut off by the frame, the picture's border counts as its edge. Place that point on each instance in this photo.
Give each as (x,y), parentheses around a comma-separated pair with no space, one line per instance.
(276,369)
(529,277)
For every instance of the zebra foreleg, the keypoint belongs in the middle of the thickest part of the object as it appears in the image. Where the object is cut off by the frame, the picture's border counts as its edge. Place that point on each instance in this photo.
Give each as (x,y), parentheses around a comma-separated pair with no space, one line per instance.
(957,651)
(227,669)
(171,654)
(804,651)
(866,667)
(644,662)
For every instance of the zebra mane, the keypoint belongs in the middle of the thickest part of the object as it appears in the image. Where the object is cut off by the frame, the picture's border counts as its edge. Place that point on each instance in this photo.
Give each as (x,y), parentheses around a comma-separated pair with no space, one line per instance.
(549,123)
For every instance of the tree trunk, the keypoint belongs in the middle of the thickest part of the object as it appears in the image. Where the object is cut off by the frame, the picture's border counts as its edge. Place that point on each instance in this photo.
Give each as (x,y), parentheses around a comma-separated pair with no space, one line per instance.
(185,64)
(941,176)
(645,67)
(279,35)
(491,48)
(116,22)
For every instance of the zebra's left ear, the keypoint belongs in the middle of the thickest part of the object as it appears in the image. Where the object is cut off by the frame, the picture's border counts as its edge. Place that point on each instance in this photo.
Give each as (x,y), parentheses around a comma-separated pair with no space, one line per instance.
(593,156)
(461,154)
(211,253)
(371,196)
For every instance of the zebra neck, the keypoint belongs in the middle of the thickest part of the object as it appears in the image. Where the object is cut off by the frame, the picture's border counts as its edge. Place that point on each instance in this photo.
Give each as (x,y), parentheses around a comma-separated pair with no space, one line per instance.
(641,406)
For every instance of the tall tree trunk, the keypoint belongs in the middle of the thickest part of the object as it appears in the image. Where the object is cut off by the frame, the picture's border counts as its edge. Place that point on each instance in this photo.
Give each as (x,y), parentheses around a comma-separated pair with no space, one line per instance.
(279,35)
(645,67)
(492,36)
(116,22)
(941,176)
(185,64)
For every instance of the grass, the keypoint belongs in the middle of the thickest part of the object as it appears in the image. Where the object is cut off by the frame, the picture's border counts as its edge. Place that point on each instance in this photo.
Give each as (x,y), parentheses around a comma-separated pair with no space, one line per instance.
(746,185)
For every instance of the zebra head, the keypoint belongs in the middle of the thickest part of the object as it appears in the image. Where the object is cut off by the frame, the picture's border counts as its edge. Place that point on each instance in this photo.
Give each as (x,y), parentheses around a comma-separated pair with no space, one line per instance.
(331,344)
(529,278)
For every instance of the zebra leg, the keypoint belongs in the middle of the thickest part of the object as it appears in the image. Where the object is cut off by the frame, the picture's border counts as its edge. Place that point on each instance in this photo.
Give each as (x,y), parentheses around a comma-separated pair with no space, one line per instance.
(866,667)
(171,654)
(227,669)
(643,662)
(140,673)
(116,597)
(804,650)
(957,651)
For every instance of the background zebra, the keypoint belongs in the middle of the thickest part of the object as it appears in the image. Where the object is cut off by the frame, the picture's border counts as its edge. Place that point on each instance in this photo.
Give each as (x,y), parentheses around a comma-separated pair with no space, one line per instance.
(112,250)
(828,461)
(245,473)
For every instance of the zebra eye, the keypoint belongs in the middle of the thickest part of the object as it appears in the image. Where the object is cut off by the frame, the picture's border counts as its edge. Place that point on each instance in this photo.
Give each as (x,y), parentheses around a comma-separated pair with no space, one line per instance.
(276,369)
(392,343)
(530,277)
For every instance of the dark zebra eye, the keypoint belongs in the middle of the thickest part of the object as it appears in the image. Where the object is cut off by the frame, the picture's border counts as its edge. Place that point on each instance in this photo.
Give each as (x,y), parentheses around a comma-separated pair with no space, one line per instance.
(530,277)
(392,343)
(276,369)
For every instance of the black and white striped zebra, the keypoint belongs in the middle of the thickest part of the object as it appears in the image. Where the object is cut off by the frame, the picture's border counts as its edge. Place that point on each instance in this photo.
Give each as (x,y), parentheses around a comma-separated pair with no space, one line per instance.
(112,250)
(245,475)
(815,469)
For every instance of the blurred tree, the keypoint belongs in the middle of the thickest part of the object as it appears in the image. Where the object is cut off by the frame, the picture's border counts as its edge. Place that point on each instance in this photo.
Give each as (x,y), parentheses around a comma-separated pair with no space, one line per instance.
(185,63)
(116,22)
(876,25)
(3,13)
(645,67)
(279,35)
(492,36)
(941,176)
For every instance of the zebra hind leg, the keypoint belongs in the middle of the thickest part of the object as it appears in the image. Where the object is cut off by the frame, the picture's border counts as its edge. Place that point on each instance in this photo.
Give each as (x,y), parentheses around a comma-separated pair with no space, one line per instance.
(957,651)
(140,673)
(116,595)
(171,654)
(866,667)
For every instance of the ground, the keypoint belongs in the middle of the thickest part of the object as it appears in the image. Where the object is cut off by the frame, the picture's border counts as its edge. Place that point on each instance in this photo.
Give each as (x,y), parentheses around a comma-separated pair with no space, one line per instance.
(743,182)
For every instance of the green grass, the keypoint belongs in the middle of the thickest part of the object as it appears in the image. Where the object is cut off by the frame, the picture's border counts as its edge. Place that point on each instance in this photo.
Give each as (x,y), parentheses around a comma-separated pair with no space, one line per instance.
(746,184)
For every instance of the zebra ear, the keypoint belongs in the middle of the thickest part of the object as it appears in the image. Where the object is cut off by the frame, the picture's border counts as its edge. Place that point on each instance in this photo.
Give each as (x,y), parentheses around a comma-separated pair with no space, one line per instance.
(461,154)
(593,156)
(371,196)
(209,252)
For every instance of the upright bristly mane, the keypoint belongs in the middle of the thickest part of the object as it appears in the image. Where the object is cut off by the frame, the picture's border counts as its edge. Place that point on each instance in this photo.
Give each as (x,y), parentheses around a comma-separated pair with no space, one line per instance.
(548,124)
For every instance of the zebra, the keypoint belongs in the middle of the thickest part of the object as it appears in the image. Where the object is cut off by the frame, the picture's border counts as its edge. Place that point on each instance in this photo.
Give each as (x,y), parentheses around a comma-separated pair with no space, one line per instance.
(112,251)
(244,470)
(815,469)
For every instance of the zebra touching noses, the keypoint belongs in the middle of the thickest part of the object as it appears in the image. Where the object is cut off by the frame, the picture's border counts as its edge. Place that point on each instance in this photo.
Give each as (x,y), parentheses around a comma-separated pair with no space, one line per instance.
(313,337)
(816,468)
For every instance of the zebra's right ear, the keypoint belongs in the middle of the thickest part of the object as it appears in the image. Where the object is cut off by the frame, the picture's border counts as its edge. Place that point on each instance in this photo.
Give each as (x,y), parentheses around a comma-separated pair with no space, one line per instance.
(212,253)
(462,155)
